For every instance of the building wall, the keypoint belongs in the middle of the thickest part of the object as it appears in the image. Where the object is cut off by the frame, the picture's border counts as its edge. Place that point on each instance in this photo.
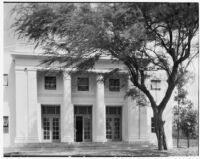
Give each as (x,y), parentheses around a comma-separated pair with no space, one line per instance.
(29,87)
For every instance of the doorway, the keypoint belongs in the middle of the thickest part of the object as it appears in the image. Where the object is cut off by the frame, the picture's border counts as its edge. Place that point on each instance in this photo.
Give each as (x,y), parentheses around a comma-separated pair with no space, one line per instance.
(83,123)
(113,123)
(79,128)
(51,123)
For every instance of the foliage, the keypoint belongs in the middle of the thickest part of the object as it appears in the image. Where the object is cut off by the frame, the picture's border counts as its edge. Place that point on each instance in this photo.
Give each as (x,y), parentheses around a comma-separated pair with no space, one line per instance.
(188,119)
(77,35)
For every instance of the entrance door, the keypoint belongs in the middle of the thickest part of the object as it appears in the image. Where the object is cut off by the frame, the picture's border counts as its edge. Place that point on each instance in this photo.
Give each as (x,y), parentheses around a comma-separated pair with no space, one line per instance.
(51,123)
(113,123)
(83,123)
(79,129)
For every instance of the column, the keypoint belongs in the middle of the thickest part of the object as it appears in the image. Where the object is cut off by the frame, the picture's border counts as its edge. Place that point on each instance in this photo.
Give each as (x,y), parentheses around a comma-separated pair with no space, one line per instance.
(132,117)
(33,115)
(143,124)
(67,111)
(21,106)
(99,112)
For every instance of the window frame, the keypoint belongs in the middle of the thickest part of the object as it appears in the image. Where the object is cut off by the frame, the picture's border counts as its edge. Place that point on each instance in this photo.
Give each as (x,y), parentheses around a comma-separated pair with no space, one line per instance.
(114,86)
(153,129)
(45,82)
(155,83)
(5,127)
(79,86)
(5,79)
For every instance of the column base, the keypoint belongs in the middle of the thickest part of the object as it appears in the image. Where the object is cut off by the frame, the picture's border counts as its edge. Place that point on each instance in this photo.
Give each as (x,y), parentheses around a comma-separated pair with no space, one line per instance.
(67,139)
(27,140)
(20,139)
(100,139)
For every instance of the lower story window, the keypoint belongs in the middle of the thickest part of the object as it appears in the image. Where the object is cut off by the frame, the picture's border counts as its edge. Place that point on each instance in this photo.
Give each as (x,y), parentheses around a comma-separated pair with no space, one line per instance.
(153,130)
(5,125)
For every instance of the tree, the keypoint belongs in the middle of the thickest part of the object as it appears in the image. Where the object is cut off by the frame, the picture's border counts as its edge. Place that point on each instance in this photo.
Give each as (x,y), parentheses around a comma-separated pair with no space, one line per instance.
(77,35)
(182,101)
(188,119)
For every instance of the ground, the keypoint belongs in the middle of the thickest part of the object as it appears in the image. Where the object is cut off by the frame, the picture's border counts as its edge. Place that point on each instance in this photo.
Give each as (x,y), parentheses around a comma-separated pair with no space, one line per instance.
(100,149)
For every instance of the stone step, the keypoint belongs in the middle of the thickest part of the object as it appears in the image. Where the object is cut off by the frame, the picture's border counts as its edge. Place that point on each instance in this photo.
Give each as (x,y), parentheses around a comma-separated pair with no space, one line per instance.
(81,144)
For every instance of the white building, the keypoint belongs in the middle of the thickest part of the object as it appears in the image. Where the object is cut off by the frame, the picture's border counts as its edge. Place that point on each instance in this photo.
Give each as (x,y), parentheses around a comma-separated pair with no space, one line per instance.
(61,107)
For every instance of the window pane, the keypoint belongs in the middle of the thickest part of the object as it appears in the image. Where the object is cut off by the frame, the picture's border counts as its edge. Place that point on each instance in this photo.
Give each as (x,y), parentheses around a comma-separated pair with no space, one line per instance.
(114,84)
(155,84)
(50,83)
(5,79)
(83,84)
(5,124)
(152,125)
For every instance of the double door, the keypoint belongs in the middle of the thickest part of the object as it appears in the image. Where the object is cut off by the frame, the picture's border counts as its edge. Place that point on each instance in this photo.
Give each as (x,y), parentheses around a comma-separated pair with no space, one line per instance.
(83,128)
(51,128)
(113,123)
(113,128)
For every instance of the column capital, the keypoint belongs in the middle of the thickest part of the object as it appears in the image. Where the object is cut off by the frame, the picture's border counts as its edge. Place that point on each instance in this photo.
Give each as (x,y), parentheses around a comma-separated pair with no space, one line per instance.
(66,75)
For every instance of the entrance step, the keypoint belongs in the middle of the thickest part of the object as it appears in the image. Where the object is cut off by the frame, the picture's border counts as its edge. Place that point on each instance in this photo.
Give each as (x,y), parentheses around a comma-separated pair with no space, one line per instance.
(82,144)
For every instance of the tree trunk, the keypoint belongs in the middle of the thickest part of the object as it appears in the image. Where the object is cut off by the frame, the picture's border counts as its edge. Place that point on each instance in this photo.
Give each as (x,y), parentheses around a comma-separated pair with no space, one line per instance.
(188,141)
(178,134)
(160,133)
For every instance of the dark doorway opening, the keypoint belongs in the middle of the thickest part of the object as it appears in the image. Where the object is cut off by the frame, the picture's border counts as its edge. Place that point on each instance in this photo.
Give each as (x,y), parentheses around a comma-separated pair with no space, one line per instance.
(79,129)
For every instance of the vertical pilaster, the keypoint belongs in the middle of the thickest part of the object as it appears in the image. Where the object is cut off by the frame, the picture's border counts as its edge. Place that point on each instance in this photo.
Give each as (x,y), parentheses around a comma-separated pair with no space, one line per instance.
(33,115)
(21,106)
(100,112)
(67,111)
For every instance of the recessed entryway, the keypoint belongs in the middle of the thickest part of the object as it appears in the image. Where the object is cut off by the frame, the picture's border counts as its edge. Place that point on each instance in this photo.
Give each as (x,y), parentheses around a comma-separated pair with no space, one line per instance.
(51,123)
(83,123)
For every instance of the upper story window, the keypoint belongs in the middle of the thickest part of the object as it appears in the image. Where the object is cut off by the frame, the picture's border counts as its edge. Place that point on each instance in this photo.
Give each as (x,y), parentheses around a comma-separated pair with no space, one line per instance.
(155,84)
(5,79)
(114,85)
(5,124)
(83,83)
(152,125)
(50,82)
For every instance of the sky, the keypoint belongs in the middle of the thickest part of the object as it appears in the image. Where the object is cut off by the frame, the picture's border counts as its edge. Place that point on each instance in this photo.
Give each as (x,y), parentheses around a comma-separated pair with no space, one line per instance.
(12,43)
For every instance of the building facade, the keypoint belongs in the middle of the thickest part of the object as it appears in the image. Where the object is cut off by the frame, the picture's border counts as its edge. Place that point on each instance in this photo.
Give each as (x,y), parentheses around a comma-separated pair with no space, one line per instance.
(42,106)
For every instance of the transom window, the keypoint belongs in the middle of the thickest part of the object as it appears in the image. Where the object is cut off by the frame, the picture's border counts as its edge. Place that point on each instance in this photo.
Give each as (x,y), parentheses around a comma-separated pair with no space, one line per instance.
(83,110)
(50,82)
(156,85)
(114,85)
(153,130)
(50,109)
(83,83)
(113,110)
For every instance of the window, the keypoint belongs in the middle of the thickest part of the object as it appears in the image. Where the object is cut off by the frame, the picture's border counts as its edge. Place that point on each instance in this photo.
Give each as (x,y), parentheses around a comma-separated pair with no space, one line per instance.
(50,82)
(114,85)
(50,109)
(83,84)
(153,130)
(5,79)
(156,85)
(5,124)
(113,110)
(82,110)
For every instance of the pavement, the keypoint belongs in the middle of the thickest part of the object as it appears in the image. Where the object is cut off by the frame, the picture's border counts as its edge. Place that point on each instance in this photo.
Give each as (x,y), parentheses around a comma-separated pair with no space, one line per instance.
(112,149)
